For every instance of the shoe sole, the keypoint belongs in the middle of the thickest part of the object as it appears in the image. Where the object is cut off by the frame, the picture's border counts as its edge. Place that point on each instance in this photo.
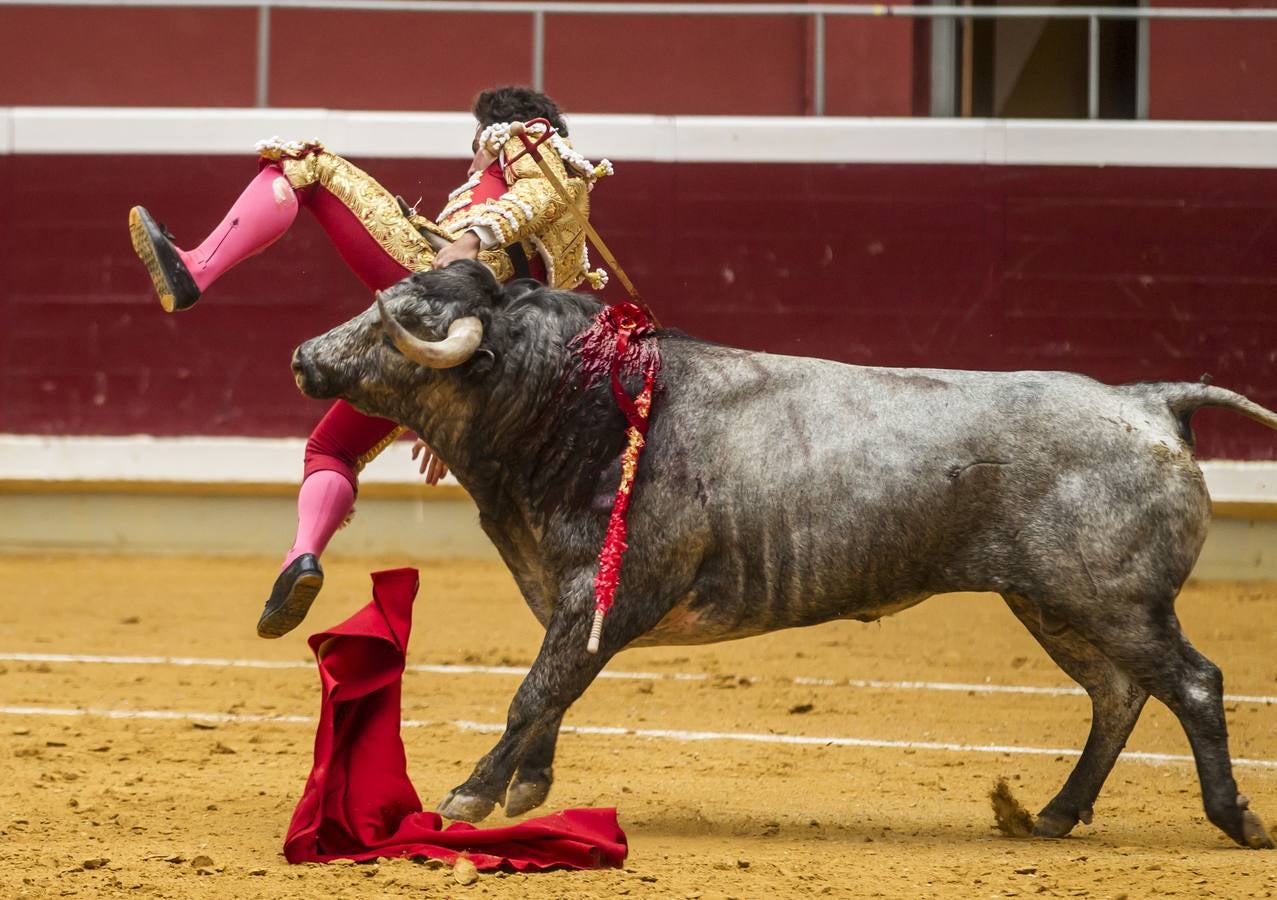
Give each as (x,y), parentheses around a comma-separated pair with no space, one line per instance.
(145,251)
(279,622)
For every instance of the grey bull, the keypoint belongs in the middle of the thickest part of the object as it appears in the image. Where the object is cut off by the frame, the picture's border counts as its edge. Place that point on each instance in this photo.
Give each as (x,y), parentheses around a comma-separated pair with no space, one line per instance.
(778,492)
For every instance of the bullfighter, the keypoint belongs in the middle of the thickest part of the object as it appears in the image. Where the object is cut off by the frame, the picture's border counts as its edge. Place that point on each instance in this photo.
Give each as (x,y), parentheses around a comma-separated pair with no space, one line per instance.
(506,214)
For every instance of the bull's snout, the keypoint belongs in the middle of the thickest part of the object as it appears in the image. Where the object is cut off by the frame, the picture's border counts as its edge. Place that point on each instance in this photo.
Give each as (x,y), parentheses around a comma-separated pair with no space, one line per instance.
(308,377)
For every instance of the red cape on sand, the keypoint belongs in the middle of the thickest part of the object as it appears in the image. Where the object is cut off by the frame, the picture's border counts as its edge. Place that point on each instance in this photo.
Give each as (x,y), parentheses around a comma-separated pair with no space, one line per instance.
(359,804)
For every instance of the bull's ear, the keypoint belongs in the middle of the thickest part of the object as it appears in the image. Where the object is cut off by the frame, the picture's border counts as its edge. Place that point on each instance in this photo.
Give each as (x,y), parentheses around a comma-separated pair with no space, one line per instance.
(481,363)
(520,287)
(480,274)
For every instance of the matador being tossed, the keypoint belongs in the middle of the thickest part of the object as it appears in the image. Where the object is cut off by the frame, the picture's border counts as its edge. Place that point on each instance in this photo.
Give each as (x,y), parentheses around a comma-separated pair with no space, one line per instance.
(507,215)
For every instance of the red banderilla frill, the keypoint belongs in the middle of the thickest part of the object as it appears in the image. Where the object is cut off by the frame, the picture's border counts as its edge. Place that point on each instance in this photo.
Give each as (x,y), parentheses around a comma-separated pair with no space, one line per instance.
(615,344)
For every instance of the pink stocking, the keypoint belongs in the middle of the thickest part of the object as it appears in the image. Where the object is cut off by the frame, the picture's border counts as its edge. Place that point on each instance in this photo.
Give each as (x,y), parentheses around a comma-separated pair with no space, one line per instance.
(324,501)
(259,217)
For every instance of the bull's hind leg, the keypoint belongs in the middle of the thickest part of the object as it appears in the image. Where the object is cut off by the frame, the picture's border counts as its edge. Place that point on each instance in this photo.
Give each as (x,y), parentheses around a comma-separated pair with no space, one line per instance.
(1116,702)
(1193,687)
(1148,644)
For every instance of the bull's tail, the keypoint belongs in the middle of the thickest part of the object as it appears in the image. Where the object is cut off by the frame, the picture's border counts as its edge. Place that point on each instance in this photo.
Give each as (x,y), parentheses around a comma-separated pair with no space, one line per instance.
(1186,398)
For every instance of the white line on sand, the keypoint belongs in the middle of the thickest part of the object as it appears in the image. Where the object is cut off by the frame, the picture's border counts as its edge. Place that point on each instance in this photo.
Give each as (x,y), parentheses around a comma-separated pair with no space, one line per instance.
(154,714)
(691,736)
(668,734)
(520,671)
(966,688)
(214,662)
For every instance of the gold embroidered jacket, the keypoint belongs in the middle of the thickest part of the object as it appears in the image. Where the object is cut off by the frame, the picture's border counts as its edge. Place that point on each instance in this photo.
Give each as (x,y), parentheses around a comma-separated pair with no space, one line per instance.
(529,212)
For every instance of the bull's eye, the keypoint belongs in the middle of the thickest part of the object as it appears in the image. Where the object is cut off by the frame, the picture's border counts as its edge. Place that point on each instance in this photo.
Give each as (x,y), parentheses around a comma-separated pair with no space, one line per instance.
(390,344)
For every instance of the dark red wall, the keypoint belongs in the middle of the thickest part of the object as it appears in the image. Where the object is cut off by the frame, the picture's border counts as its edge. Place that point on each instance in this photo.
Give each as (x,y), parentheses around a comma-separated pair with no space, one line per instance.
(393,60)
(690,65)
(1120,273)
(100,56)
(869,67)
(746,65)
(1213,69)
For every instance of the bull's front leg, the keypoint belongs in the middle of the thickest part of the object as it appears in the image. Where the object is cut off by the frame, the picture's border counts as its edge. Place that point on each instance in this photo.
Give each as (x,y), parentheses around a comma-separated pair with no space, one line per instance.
(561,672)
(535,775)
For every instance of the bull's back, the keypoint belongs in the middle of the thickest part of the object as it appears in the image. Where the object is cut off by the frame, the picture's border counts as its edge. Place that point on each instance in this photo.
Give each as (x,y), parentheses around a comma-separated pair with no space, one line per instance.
(834,491)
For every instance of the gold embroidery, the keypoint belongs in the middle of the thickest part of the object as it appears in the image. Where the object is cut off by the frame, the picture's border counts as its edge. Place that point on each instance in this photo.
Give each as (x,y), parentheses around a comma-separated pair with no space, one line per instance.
(300,171)
(371,203)
(376,449)
(499,262)
(545,226)
(563,243)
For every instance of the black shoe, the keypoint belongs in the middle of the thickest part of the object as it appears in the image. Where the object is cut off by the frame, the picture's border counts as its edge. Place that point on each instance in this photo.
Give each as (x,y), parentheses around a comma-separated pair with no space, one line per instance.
(290,599)
(154,246)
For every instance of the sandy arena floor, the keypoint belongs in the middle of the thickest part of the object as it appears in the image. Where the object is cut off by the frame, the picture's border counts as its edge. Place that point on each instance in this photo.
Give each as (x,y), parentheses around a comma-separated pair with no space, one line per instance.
(99,806)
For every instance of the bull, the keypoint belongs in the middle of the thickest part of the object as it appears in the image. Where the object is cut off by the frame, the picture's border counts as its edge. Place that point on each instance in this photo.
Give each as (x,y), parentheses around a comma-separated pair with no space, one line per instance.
(779,492)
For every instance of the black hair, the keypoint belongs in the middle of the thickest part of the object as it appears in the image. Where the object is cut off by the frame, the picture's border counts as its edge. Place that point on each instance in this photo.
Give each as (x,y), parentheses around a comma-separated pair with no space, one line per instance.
(516,103)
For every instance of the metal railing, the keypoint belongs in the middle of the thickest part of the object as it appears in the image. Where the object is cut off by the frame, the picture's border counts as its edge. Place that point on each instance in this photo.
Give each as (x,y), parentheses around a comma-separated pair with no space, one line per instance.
(538,10)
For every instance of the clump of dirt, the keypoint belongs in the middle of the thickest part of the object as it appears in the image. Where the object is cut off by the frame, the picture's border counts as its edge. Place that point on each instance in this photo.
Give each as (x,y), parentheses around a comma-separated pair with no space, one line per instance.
(464,871)
(1009,814)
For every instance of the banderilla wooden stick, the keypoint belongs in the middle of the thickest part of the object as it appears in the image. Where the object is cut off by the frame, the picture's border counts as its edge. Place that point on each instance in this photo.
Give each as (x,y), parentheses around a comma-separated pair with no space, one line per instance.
(596,632)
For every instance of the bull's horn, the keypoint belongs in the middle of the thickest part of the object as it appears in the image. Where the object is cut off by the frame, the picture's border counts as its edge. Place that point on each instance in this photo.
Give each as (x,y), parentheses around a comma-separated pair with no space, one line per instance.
(463,339)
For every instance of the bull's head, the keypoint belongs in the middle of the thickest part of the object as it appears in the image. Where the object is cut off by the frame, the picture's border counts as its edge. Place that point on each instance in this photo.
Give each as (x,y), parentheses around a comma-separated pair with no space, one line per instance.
(422,335)
(477,369)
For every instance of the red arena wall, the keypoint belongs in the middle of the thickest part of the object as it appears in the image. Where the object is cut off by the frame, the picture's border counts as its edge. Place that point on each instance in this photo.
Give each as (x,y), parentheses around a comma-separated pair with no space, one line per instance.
(381,60)
(1213,69)
(705,65)
(1120,272)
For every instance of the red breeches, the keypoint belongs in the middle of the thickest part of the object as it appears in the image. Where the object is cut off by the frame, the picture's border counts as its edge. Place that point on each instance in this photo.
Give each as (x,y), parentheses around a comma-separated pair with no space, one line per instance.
(345,440)
(366,258)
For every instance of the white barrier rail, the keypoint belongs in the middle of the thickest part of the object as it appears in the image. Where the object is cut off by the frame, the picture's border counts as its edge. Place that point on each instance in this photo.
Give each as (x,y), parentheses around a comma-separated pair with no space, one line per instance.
(642,138)
(143,459)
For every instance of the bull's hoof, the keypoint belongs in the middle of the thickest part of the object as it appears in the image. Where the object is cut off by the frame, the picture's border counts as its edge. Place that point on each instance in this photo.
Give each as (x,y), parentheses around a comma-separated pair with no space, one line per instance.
(1253,831)
(465,807)
(525,795)
(1053,825)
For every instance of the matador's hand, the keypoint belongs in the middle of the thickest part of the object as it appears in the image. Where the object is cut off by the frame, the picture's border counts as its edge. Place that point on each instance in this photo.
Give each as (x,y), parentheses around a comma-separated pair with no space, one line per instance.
(464,247)
(432,466)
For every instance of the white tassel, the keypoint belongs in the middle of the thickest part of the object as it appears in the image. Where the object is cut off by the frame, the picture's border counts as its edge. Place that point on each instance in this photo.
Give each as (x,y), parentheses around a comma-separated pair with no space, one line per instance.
(277,148)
